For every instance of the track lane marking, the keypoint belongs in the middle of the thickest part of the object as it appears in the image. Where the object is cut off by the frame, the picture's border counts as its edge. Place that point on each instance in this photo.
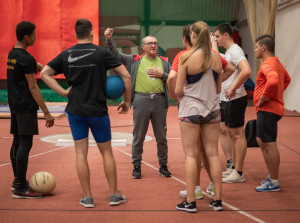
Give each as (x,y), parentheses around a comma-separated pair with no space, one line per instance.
(184,183)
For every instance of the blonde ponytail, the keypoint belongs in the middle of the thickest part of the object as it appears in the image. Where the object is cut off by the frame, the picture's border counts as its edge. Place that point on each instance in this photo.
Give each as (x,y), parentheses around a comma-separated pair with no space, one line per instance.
(202,32)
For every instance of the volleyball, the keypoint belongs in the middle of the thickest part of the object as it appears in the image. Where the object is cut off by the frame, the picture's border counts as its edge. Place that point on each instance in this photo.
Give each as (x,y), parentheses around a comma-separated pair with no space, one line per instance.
(42,182)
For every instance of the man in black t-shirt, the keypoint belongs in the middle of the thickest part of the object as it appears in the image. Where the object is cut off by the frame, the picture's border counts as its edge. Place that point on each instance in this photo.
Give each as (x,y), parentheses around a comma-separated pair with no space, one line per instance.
(84,66)
(24,98)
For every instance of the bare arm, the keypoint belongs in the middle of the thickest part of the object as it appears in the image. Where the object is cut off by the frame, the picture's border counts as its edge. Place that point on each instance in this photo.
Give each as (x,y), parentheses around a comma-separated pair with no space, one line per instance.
(123,58)
(227,71)
(37,95)
(52,83)
(245,72)
(123,73)
(217,67)
(181,77)
(171,82)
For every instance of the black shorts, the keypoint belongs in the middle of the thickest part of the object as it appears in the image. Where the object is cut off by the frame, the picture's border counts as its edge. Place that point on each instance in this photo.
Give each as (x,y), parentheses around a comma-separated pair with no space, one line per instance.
(233,112)
(266,126)
(24,124)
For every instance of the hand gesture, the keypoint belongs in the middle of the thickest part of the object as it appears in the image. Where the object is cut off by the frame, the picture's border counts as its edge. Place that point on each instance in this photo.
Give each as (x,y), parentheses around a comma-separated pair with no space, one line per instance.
(124,106)
(39,67)
(262,99)
(155,72)
(213,41)
(67,92)
(229,93)
(108,33)
(49,120)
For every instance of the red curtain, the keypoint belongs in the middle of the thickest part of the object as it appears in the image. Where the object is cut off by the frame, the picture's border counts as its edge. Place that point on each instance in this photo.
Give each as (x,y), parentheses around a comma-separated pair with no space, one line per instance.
(54,20)
(10,16)
(73,10)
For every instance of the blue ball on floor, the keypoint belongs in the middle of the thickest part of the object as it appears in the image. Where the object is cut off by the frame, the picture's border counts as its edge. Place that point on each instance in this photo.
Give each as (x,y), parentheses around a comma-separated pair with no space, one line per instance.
(114,87)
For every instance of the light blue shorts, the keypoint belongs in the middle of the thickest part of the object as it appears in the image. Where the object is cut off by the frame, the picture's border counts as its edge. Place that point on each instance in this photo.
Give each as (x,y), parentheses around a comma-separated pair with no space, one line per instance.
(100,127)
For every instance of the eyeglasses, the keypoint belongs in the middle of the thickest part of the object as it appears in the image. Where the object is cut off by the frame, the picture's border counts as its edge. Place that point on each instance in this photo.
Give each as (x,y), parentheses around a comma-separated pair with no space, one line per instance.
(152,43)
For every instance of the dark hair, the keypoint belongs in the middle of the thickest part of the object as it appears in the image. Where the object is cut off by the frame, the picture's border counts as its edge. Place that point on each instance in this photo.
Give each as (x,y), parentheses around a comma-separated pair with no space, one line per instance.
(224,28)
(266,40)
(24,28)
(186,33)
(83,27)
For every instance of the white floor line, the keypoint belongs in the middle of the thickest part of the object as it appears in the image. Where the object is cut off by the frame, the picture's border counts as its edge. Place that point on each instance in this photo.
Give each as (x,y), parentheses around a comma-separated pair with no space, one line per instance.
(153,167)
(39,154)
(184,183)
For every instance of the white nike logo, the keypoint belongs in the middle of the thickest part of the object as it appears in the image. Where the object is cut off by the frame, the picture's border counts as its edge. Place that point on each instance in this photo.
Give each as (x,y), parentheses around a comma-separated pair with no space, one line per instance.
(73,59)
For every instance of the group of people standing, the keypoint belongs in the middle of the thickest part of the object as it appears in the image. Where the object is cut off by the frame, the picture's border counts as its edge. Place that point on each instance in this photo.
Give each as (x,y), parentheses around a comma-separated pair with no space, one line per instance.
(209,89)
(209,110)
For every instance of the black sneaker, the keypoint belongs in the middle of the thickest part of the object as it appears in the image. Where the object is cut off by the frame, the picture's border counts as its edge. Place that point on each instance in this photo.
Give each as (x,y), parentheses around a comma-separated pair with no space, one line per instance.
(136,173)
(188,207)
(13,186)
(163,170)
(216,205)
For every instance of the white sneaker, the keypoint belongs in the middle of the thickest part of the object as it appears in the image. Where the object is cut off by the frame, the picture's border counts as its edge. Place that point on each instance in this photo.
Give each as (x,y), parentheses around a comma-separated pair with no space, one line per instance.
(210,189)
(198,194)
(227,172)
(234,177)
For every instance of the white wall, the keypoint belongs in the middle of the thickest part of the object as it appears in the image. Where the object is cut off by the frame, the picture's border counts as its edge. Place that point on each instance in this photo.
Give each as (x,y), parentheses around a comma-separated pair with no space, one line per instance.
(244,32)
(287,48)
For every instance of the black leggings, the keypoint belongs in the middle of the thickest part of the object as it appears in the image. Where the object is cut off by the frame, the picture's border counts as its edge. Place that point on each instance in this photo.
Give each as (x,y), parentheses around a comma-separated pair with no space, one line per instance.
(19,154)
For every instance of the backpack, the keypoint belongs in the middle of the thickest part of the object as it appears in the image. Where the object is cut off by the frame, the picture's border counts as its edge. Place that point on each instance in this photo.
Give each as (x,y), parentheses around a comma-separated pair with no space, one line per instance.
(250,133)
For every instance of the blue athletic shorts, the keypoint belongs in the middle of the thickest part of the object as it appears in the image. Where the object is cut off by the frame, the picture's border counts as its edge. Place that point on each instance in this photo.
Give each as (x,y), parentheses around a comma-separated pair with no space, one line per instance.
(100,127)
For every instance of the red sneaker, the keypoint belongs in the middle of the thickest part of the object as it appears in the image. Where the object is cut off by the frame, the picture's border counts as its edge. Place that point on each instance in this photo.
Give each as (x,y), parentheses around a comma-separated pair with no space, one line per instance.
(27,193)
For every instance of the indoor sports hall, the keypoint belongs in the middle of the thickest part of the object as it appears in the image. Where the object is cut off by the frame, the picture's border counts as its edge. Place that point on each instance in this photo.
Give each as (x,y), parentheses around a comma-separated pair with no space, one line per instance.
(152,198)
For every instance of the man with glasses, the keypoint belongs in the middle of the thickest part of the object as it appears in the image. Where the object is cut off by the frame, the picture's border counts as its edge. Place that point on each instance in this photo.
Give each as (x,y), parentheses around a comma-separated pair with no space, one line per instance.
(149,99)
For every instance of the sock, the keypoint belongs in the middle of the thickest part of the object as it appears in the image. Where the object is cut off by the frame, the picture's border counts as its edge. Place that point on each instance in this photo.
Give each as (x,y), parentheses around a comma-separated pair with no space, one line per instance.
(240,173)
(229,163)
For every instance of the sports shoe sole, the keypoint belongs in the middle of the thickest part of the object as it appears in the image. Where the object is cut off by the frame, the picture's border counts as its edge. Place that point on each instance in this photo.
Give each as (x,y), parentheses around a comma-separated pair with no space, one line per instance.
(117,202)
(164,175)
(269,190)
(87,205)
(216,208)
(25,197)
(194,210)
(233,181)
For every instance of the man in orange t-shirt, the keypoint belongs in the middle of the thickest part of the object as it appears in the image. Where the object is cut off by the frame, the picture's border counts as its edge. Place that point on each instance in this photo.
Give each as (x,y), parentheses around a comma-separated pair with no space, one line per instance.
(271,81)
